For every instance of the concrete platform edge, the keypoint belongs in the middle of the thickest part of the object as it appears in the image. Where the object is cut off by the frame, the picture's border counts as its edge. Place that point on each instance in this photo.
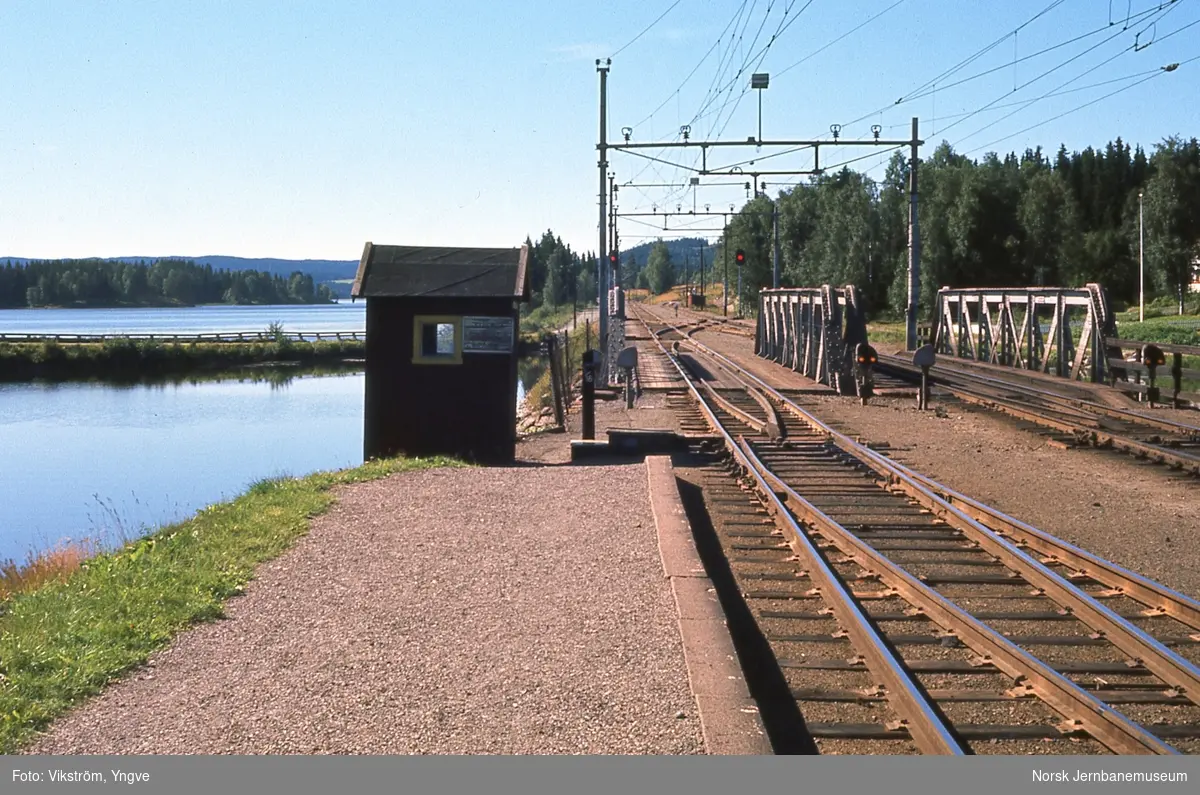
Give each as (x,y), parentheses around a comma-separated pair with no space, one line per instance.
(729,717)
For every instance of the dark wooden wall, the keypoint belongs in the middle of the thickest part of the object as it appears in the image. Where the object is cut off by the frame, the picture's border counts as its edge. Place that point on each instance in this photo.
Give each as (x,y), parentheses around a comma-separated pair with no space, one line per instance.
(466,410)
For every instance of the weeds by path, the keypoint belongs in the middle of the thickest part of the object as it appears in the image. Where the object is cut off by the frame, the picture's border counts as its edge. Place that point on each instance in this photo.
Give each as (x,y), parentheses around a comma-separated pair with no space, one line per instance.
(65,639)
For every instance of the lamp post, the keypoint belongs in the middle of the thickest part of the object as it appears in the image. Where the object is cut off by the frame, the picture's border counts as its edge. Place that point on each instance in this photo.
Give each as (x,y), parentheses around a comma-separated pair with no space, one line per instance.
(1141,262)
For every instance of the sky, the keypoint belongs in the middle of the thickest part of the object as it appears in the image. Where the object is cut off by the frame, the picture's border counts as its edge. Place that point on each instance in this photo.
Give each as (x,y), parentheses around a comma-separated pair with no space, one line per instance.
(302,130)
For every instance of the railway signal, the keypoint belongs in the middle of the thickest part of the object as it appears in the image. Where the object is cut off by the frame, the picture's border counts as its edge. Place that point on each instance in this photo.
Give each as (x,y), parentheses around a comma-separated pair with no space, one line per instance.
(1152,358)
(740,256)
(866,358)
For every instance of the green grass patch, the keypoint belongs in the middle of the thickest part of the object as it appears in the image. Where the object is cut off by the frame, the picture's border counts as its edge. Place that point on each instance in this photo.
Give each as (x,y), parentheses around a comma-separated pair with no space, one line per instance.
(886,333)
(539,395)
(1171,329)
(125,358)
(64,641)
(551,318)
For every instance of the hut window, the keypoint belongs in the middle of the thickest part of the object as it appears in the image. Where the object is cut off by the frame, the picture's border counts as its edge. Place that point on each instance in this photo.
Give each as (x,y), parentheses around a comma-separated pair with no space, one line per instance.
(437,340)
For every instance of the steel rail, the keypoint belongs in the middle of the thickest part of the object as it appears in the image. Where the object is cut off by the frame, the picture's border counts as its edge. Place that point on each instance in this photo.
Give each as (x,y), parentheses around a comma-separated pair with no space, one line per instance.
(1099,436)
(1161,599)
(1169,425)
(1056,689)
(1082,710)
(1169,666)
(772,427)
(925,723)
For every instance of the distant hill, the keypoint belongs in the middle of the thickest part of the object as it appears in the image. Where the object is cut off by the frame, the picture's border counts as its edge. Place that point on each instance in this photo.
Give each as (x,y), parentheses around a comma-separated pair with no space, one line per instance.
(680,249)
(323,271)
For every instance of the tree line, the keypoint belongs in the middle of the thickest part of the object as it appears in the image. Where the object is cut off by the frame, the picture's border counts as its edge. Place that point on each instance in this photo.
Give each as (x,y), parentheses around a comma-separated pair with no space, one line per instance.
(164,282)
(559,276)
(996,222)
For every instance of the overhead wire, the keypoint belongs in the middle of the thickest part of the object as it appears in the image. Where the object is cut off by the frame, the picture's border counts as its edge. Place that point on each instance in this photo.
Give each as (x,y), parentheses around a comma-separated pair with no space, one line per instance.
(1159,73)
(1045,74)
(732,23)
(647,28)
(855,29)
(760,55)
(960,65)
(1075,90)
(1022,59)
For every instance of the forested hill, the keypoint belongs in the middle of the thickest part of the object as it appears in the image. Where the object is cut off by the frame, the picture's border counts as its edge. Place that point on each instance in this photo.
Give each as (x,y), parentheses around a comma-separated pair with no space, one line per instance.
(680,250)
(322,270)
(164,282)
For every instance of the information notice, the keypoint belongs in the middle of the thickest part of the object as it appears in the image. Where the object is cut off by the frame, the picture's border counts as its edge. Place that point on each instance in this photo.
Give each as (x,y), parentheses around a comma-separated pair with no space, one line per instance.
(487,334)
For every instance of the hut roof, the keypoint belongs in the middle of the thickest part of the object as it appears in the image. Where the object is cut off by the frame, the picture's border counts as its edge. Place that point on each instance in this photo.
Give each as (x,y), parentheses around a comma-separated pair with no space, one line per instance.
(412,271)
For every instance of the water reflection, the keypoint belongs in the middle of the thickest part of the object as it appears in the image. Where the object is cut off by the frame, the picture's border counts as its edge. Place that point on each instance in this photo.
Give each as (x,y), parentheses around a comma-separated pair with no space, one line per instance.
(102,460)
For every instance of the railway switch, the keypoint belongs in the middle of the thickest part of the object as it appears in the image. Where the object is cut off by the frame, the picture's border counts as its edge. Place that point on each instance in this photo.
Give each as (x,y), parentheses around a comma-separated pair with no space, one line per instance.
(1152,358)
(866,359)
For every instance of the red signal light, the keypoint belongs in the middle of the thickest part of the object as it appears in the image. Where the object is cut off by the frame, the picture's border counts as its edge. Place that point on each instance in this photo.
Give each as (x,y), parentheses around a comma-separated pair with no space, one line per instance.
(740,256)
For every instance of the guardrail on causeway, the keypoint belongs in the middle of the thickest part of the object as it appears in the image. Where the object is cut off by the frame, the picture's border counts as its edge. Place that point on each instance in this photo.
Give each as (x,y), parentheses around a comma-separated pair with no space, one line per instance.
(228,336)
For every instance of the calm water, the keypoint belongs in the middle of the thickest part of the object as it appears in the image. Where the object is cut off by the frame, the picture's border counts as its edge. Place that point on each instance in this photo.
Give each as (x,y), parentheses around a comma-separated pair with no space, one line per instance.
(98,461)
(87,460)
(189,320)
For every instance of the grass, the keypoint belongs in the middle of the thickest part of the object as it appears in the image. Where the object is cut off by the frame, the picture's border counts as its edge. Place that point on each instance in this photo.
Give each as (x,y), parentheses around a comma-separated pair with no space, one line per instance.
(115,359)
(887,333)
(713,298)
(1180,330)
(73,623)
(539,395)
(548,318)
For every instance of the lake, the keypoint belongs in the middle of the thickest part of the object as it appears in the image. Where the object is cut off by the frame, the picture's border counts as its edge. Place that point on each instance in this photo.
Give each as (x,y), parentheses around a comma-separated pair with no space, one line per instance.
(343,316)
(87,460)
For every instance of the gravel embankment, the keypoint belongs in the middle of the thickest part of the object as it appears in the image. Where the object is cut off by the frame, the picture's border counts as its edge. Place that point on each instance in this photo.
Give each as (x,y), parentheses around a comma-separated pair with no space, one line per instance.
(463,611)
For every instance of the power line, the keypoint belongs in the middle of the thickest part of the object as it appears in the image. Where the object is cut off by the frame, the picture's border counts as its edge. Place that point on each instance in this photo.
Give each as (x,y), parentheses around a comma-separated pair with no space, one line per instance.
(742,68)
(855,29)
(971,59)
(784,24)
(1056,88)
(961,64)
(722,65)
(1060,45)
(647,28)
(1160,72)
(695,68)
(1075,90)
(732,22)
(760,55)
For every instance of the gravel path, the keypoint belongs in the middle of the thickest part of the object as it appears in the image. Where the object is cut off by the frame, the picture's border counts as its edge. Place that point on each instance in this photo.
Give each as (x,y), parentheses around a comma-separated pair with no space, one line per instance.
(453,611)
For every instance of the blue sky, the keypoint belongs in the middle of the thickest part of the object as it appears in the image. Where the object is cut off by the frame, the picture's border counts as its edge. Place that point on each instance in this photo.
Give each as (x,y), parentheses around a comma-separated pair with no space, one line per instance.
(304,129)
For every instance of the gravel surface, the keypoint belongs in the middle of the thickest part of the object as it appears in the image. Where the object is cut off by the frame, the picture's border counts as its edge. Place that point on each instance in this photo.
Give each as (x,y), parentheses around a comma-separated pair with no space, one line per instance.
(458,611)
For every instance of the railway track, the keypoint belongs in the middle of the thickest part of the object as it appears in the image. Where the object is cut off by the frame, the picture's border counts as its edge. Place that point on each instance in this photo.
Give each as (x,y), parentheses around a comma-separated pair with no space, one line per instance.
(1167,440)
(908,618)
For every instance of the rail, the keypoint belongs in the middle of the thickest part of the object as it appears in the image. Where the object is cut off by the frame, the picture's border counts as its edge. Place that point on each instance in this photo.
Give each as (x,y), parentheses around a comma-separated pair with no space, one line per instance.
(226,336)
(977,525)
(1084,421)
